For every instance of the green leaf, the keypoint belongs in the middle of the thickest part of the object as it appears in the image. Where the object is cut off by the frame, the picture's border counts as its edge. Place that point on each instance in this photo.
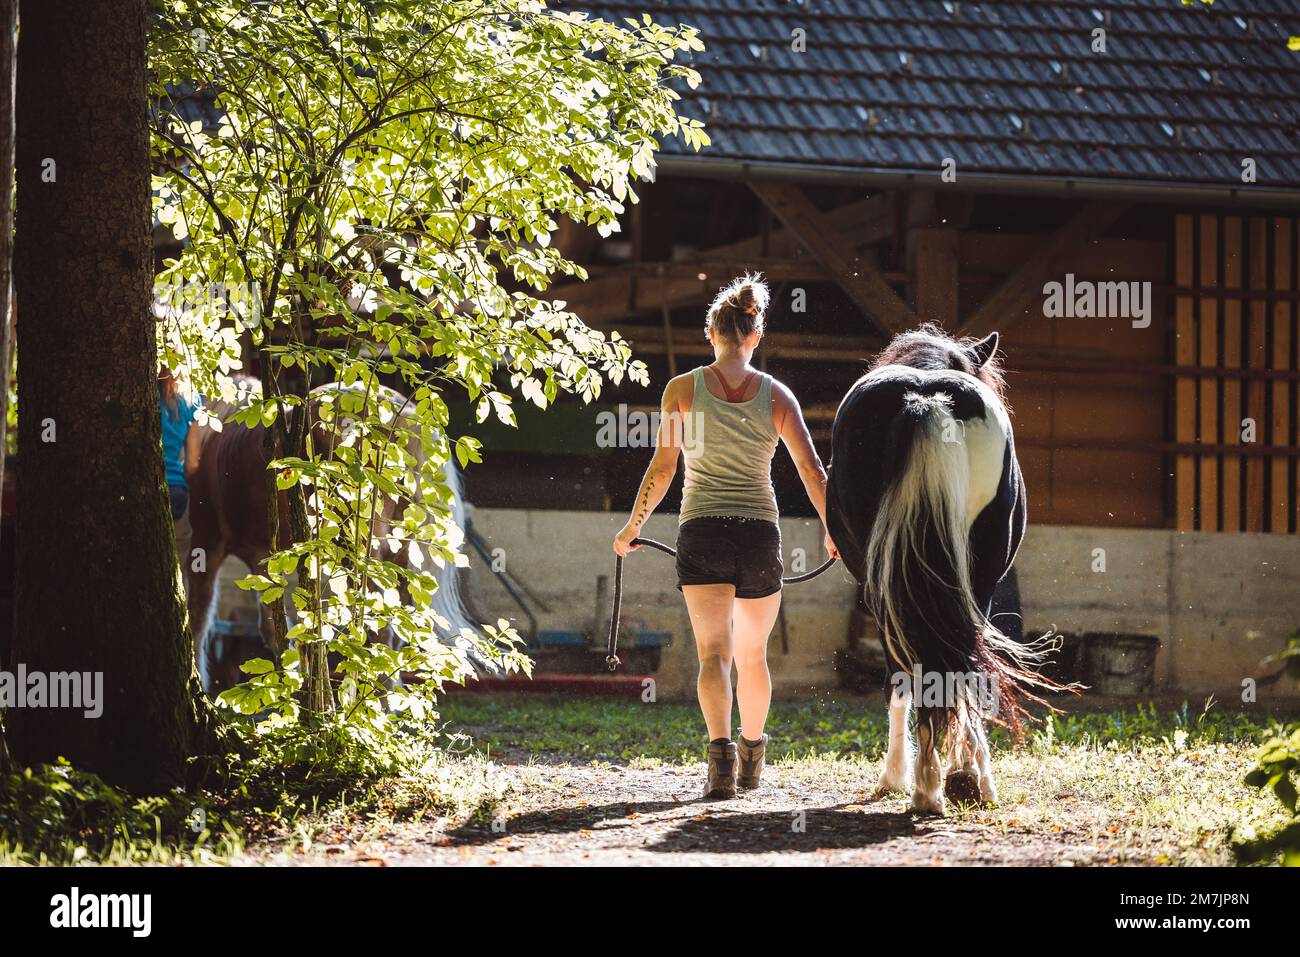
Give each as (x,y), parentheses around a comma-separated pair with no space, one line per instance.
(256,666)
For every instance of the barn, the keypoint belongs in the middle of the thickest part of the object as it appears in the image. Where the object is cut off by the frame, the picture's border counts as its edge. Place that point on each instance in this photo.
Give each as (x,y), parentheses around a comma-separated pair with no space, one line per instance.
(1114,188)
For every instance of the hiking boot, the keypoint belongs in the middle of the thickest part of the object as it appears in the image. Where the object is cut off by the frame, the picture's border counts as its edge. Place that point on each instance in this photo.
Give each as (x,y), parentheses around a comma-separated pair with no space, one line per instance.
(722,771)
(751,762)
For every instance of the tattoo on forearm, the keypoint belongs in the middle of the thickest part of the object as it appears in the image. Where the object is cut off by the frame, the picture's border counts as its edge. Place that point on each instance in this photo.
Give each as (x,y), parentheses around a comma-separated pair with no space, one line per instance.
(643,512)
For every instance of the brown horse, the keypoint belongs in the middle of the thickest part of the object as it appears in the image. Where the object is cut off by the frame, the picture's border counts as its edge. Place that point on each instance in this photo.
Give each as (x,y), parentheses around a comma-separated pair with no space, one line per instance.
(230,516)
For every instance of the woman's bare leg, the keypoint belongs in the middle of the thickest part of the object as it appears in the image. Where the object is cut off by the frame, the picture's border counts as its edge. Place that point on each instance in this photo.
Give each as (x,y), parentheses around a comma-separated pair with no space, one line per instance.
(710,610)
(751,627)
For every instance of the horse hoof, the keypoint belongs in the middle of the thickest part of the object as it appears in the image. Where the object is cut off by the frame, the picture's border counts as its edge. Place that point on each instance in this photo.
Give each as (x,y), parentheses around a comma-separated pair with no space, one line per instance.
(929,804)
(962,787)
(885,787)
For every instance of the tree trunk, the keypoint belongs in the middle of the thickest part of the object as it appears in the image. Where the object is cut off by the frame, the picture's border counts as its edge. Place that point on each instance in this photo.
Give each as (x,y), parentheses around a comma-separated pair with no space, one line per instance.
(317,694)
(98,588)
(8,38)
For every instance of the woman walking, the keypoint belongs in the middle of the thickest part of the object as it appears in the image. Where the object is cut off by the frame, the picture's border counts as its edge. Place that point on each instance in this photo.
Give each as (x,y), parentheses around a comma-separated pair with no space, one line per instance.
(725,420)
(181,445)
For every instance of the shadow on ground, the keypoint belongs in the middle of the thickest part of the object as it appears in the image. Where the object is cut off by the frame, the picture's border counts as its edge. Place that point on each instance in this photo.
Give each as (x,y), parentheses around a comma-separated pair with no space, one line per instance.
(826,828)
(702,827)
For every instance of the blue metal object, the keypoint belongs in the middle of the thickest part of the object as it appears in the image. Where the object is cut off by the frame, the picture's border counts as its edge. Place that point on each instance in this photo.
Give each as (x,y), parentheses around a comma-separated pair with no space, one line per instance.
(223,628)
(559,637)
(652,639)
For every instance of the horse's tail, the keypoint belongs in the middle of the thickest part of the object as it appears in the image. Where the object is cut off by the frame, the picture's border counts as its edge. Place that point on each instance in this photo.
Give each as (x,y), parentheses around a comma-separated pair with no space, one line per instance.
(919,578)
(448,602)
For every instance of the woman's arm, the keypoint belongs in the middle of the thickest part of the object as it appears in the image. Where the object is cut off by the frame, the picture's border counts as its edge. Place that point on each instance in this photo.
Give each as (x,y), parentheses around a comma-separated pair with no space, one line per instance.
(662,470)
(798,442)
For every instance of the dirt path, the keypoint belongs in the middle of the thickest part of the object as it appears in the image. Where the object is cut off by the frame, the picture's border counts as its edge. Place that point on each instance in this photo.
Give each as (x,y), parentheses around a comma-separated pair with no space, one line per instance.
(568,814)
(574,782)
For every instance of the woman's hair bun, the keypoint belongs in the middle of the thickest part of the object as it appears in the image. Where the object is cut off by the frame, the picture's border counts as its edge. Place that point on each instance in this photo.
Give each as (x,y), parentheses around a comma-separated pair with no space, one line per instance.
(739,308)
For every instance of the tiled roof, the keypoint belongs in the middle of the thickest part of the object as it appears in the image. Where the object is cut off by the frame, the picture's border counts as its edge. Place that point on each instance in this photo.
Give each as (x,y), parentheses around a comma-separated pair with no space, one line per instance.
(1182,94)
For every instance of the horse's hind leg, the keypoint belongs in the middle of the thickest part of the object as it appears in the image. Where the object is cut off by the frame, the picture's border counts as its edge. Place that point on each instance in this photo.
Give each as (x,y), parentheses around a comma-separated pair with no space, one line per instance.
(988,790)
(202,600)
(255,558)
(897,774)
(962,782)
(970,772)
(927,794)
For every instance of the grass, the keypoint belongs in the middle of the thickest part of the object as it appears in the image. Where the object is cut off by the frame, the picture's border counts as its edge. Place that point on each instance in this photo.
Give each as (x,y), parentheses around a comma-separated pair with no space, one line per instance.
(59,815)
(604,729)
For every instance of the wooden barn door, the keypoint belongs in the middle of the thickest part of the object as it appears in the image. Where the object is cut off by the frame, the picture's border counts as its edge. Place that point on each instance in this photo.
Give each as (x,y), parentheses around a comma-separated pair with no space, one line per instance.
(1235,392)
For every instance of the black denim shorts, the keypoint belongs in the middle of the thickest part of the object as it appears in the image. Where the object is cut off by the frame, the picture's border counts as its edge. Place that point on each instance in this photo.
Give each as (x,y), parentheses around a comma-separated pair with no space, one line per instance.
(745,552)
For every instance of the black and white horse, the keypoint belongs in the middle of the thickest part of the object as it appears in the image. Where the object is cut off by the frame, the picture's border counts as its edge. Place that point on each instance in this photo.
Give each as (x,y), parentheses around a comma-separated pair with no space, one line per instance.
(927,506)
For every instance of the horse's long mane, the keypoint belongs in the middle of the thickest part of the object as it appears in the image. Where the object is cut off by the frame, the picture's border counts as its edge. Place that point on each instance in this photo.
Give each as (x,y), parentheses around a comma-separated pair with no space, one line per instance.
(930,348)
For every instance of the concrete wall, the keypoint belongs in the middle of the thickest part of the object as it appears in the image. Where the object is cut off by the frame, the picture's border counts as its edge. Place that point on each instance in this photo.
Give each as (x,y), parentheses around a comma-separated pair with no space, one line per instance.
(1218,602)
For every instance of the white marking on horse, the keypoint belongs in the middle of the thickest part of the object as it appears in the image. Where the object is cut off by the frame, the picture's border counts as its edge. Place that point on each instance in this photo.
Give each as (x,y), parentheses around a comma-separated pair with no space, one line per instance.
(897,773)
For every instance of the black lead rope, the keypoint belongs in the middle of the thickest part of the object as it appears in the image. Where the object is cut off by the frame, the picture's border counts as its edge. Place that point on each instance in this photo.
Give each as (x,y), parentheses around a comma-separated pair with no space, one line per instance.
(611,659)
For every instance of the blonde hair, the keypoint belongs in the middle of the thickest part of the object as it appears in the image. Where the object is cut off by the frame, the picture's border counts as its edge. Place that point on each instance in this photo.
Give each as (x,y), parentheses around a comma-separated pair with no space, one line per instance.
(739,308)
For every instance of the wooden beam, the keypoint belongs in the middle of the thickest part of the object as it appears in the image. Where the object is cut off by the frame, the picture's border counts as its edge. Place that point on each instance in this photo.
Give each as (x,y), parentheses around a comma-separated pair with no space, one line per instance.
(998,254)
(1023,289)
(649,340)
(861,281)
(1096,372)
(608,298)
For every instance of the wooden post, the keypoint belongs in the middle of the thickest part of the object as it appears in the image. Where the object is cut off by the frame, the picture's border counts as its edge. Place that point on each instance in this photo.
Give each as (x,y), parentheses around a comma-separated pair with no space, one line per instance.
(1184,387)
(1208,355)
(652,223)
(1232,385)
(1280,498)
(1257,359)
(933,262)
(667,317)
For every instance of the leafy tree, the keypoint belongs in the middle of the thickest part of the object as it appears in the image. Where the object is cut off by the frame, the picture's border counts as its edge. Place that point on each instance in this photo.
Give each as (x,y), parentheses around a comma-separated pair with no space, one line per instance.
(1276,770)
(382,189)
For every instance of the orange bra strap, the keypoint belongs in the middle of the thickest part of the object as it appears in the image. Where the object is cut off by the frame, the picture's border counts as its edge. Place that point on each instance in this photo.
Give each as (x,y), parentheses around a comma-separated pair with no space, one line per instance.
(733,395)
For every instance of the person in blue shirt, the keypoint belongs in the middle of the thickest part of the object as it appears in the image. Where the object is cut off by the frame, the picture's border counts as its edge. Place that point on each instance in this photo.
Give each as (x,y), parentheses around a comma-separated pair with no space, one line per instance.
(180,446)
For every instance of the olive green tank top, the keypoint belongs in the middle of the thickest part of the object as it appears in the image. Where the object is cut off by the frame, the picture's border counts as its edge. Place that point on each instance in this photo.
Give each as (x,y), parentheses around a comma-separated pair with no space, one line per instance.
(728,448)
